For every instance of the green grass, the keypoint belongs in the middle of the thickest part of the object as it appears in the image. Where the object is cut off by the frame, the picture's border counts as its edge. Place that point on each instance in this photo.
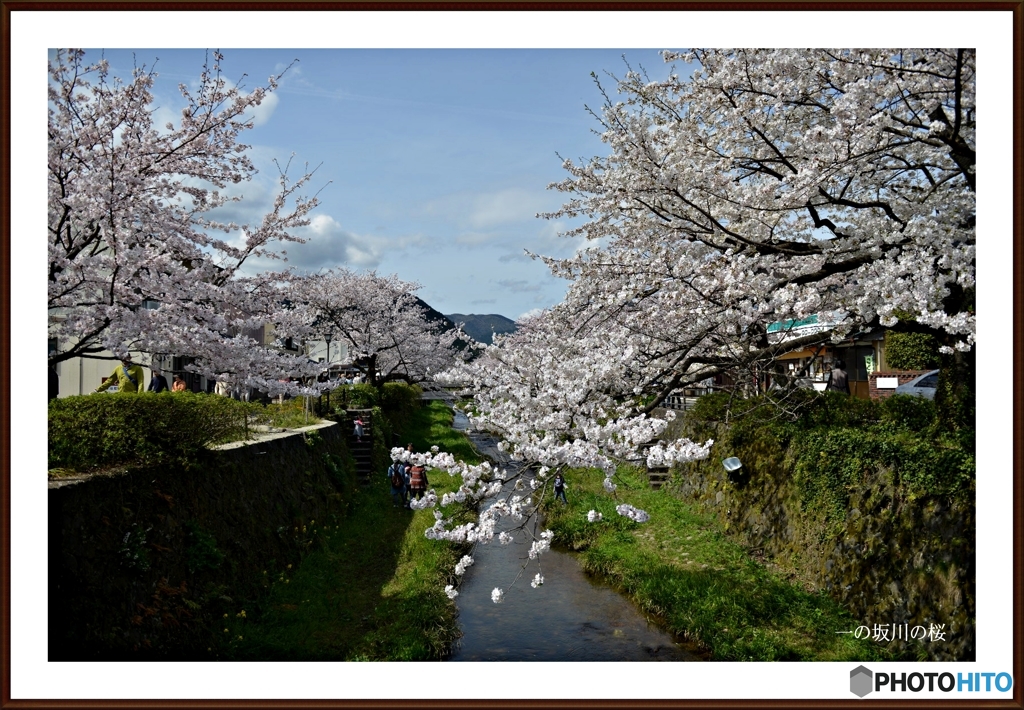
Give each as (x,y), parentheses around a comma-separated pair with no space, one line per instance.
(372,588)
(288,415)
(433,427)
(701,585)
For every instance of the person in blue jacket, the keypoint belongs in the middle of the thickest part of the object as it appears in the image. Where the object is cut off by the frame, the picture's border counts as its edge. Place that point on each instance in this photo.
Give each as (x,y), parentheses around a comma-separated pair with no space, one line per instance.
(158,383)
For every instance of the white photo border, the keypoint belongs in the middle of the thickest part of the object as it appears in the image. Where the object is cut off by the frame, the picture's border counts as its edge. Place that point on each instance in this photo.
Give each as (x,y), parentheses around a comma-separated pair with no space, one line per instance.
(33,32)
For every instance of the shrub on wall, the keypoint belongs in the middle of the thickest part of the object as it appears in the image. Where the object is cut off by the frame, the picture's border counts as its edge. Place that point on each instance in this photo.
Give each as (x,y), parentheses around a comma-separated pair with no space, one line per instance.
(362,396)
(90,431)
(911,351)
(834,438)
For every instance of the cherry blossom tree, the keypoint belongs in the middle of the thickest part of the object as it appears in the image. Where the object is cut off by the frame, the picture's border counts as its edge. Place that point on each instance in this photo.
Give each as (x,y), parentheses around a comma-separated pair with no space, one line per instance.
(384,325)
(774,184)
(765,187)
(137,259)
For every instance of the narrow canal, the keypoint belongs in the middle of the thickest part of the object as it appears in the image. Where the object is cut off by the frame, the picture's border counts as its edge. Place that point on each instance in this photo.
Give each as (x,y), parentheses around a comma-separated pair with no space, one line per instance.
(569,618)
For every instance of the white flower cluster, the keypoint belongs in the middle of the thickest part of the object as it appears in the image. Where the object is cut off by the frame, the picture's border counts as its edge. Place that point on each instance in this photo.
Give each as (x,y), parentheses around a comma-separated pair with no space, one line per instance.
(622,437)
(537,581)
(462,565)
(478,481)
(451,591)
(483,530)
(541,545)
(628,511)
(497,596)
(429,500)
(681,451)
(593,516)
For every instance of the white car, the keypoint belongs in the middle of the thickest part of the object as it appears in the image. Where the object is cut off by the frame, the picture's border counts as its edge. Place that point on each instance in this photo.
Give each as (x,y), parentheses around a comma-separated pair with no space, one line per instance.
(921,386)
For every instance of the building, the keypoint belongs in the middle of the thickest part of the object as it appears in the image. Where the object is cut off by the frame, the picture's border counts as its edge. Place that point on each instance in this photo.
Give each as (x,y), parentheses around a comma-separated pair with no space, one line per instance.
(79,375)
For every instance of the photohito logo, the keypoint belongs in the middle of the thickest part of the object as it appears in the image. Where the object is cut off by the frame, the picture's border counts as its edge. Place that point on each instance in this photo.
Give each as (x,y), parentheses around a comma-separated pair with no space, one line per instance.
(860,681)
(863,681)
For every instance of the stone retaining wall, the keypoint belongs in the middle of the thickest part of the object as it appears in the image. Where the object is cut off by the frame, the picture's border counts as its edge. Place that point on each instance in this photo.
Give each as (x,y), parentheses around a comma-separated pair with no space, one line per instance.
(144,563)
(898,559)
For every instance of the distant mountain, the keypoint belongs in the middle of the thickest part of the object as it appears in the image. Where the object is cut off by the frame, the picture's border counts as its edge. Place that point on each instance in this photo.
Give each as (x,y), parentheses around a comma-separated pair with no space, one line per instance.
(433,315)
(480,327)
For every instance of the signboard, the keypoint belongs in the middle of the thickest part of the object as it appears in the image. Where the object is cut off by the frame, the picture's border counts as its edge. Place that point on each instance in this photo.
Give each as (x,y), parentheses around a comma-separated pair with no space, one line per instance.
(887,383)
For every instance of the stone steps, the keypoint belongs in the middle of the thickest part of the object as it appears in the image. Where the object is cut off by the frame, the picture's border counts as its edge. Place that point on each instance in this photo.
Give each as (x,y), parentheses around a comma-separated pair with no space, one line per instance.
(362,451)
(657,477)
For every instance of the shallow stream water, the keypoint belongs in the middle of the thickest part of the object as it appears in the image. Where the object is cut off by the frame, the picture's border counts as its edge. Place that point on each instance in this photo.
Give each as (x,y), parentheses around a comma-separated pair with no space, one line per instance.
(571,617)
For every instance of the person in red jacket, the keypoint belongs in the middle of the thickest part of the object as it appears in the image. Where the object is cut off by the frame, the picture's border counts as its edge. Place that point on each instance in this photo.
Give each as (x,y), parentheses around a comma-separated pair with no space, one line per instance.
(417,481)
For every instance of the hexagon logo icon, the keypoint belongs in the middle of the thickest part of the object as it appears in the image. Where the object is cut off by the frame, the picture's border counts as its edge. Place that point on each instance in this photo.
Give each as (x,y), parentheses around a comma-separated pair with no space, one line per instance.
(860,681)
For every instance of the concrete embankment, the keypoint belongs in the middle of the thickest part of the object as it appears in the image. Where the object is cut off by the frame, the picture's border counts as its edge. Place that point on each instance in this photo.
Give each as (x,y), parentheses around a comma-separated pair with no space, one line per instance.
(144,562)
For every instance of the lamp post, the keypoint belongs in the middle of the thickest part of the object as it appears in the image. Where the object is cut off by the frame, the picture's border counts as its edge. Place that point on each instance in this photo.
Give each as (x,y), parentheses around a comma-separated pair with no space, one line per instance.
(732,464)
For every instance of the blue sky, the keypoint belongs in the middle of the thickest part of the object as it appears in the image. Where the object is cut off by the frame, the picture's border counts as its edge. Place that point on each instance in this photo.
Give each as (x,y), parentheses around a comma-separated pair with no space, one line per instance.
(433,162)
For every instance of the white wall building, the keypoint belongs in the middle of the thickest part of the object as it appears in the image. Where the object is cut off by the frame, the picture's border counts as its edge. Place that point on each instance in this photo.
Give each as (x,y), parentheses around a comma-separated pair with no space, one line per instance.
(318,351)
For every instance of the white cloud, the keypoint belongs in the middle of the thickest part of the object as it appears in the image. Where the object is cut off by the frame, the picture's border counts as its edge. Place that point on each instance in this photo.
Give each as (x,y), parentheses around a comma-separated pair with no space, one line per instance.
(504,207)
(262,113)
(522,286)
(474,238)
(482,215)
(517,256)
(529,314)
(329,245)
(163,115)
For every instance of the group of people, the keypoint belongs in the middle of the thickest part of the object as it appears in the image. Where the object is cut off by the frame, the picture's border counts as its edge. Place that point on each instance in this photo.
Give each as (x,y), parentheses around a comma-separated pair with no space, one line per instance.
(407,481)
(128,377)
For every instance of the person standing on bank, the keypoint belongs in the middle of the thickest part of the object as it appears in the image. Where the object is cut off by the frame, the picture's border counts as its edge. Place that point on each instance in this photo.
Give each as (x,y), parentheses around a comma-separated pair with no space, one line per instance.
(560,488)
(126,376)
(406,471)
(396,475)
(157,383)
(417,481)
(837,379)
(179,384)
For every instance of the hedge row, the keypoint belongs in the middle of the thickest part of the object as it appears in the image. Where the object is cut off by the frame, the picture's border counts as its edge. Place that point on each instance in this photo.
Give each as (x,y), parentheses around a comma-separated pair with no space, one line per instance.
(98,430)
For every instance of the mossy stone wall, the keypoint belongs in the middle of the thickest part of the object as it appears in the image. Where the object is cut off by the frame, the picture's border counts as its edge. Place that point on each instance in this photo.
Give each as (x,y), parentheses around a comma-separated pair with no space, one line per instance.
(145,563)
(892,559)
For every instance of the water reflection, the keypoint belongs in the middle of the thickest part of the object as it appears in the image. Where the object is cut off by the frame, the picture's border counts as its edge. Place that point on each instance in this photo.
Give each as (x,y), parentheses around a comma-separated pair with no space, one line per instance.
(569,618)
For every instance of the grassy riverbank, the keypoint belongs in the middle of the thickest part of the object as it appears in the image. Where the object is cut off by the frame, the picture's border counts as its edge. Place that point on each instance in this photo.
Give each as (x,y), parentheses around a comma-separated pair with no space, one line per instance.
(373,589)
(683,570)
